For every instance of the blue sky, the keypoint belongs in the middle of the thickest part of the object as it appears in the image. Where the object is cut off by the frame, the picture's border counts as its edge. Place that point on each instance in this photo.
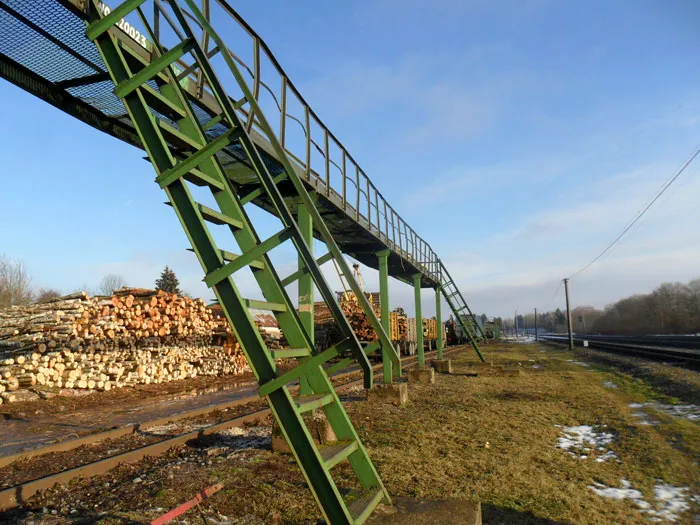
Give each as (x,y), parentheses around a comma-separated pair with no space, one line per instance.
(516,137)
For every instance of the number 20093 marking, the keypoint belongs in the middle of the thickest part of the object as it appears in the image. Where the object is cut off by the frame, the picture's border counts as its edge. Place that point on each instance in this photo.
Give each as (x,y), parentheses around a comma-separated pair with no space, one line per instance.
(125,26)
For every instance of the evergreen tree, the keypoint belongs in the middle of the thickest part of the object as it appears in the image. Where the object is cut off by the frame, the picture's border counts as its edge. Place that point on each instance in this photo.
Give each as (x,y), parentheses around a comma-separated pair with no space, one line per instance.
(168,282)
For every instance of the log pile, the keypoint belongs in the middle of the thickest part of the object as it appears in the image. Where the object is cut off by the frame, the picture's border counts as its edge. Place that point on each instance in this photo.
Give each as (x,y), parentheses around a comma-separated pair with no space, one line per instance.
(358,320)
(398,325)
(132,316)
(136,336)
(326,330)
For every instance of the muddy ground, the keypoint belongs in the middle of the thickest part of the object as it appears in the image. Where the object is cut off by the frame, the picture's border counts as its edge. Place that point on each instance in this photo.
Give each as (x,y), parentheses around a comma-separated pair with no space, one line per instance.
(488,438)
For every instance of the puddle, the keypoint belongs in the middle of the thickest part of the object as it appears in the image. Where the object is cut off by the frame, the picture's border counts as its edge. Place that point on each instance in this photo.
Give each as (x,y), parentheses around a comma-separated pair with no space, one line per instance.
(669,501)
(579,363)
(244,437)
(171,429)
(688,412)
(583,441)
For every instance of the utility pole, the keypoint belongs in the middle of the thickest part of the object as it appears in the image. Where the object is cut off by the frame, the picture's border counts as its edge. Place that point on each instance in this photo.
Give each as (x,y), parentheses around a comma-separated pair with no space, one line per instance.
(536,338)
(568,314)
(527,329)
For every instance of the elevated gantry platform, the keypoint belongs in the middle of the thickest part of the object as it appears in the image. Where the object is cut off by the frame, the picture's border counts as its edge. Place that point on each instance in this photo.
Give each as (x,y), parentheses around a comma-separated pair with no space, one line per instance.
(159,76)
(67,71)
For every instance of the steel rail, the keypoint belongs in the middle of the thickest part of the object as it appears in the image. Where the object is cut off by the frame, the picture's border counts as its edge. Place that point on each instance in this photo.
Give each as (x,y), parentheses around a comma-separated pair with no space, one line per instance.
(20,493)
(617,345)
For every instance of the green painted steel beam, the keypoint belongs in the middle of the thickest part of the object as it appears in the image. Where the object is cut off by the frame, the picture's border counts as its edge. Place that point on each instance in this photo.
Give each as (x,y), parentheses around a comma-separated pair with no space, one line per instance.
(266,305)
(303,368)
(383,257)
(248,258)
(315,466)
(254,194)
(305,271)
(153,69)
(306,285)
(419,320)
(213,147)
(102,25)
(286,353)
(438,320)
(298,184)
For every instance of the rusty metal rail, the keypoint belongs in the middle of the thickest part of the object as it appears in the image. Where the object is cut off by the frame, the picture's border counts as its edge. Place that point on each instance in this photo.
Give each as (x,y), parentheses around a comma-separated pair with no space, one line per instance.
(19,494)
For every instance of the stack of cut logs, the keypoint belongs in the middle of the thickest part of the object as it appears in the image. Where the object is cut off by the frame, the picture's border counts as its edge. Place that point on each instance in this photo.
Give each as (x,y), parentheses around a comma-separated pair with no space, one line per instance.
(358,320)
(326,329)
(398,324)
(136,336)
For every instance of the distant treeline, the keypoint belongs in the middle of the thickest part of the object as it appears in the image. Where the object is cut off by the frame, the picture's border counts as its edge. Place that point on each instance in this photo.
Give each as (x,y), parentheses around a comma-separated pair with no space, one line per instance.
(672,308)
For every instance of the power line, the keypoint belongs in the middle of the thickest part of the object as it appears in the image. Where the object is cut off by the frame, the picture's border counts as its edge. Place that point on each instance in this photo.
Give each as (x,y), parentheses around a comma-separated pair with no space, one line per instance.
(639,214)
(553,296)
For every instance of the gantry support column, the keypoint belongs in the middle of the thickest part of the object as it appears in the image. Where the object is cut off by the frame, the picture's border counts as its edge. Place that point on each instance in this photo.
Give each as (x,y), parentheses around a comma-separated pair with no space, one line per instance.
(384,302)
(306,285)
(420,374)
(438,320)
(419,321)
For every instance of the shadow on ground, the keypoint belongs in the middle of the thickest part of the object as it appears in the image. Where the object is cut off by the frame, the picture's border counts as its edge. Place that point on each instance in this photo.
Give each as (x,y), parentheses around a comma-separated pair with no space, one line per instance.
(492,515)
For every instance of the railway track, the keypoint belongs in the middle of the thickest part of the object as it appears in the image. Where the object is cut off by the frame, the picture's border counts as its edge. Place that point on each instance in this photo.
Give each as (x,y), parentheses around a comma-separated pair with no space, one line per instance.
(682,349)
(20,493)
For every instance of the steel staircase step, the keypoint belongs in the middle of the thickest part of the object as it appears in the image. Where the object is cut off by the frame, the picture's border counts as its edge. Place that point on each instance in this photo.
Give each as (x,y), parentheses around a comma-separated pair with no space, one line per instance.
(248,257)
(194,160)
(199,178)
(312,402)
(286,353)
(257,192)
(362,507)
(176,137)
(264,305)
(334,452)
(161,103)
(102,25)
(157,66)
(216,217)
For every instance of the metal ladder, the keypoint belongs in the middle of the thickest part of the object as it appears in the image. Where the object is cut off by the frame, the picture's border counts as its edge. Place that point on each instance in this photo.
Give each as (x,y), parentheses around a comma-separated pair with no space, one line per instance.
(459,306)
(182,154)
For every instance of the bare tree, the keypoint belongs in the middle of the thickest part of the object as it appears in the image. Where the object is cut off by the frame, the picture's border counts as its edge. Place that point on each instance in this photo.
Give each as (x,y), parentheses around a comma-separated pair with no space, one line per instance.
(110,283)
(44,295)
(14,283)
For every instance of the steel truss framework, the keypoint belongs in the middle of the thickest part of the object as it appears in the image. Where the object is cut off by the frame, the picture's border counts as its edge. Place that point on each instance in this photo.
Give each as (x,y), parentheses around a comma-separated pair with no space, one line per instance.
(173,81)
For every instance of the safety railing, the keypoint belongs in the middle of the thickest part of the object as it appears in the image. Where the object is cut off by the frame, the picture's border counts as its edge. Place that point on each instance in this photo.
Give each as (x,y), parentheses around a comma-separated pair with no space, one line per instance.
(320,157)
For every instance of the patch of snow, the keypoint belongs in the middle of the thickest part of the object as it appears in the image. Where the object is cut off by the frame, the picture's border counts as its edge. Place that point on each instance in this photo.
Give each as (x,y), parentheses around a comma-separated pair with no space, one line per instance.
(579,363)
(689,412)
(609,384)
(583,440)
(171,429)
(248,437)
(669,501)
(624,492)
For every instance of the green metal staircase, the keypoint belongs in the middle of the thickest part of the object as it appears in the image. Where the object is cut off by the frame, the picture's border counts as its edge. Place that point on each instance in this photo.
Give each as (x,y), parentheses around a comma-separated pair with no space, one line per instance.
(183,155)
(460,308)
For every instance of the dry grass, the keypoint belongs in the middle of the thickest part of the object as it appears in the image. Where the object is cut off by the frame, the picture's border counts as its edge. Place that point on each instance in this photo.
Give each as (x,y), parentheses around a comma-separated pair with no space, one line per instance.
(436,448)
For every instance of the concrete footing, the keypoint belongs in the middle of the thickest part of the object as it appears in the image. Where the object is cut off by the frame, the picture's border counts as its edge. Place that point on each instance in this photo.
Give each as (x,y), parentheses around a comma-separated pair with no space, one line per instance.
(318,426)
(396,393)
(442,366)
(410,511)
(424,376)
